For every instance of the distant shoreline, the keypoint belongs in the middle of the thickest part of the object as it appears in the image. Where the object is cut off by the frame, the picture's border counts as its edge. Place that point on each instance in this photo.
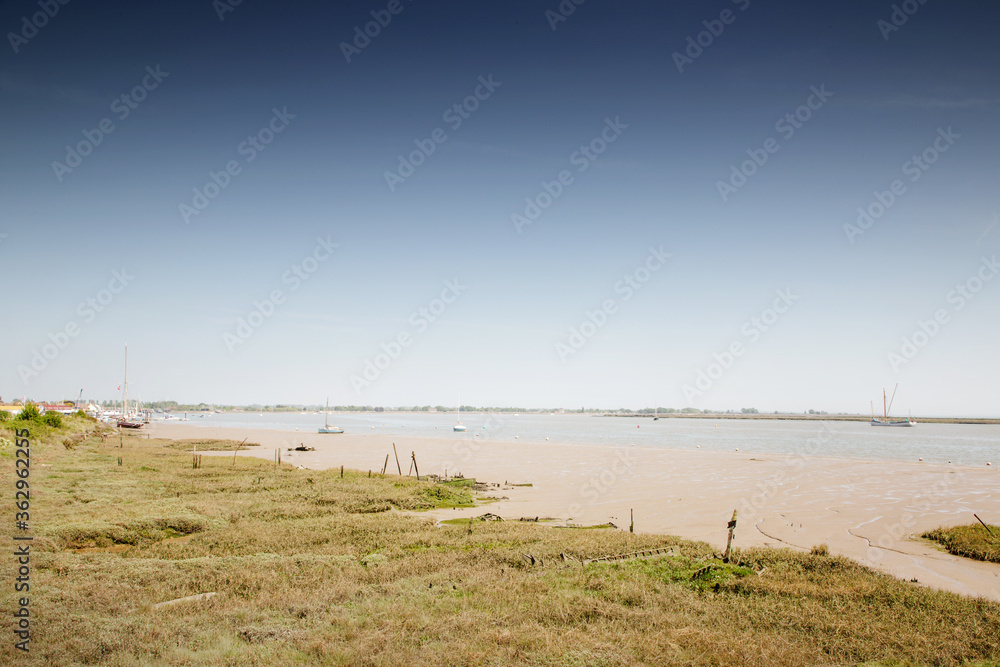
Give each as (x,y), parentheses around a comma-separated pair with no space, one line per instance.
(768,416)
(795,417)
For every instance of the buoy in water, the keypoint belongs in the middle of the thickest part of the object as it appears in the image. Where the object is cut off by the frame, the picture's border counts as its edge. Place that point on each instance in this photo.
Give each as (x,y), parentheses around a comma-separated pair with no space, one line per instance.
(921,458)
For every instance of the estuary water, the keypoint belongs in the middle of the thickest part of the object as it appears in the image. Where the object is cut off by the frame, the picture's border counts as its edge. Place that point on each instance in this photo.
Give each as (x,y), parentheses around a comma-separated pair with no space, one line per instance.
(960,444)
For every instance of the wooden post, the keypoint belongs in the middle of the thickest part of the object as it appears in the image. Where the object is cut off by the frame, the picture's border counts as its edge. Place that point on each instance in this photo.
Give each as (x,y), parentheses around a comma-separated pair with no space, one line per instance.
(984,524)
(729,542)
(341,472)
(410,469)
(398,467)
(386,464)
(631,521)
(369,474)
(415,468)
(237,450)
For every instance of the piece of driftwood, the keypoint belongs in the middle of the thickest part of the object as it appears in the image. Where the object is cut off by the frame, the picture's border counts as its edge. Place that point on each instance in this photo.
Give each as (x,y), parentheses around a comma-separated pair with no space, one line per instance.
(663,551)
(190,598)
(237,450)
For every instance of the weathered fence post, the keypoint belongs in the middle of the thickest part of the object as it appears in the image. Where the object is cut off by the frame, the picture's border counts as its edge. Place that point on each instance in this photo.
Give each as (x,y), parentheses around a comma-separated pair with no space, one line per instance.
(729,542)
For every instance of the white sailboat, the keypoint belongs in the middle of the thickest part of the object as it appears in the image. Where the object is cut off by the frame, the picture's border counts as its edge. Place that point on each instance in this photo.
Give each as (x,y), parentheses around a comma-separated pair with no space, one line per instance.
(124,421)
(326,427)
(459,426)
(885,421)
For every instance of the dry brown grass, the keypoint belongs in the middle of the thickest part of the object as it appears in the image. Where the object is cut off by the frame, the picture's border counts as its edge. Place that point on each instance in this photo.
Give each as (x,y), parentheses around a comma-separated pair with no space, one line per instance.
(313,569)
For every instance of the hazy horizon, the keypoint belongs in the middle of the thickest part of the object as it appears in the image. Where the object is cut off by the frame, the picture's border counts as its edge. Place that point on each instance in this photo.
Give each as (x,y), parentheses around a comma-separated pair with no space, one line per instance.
(723,205)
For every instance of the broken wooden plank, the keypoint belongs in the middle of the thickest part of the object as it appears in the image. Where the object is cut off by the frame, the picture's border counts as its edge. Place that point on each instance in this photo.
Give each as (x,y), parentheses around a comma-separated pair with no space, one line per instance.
(189,598)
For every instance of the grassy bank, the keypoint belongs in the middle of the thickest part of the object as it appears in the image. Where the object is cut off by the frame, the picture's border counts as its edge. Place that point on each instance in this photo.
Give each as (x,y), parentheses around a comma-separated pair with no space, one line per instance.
(972,541)
(312,568)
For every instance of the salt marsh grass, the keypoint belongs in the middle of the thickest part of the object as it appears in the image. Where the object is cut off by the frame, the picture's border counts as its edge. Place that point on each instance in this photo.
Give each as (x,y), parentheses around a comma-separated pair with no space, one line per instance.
(312,568)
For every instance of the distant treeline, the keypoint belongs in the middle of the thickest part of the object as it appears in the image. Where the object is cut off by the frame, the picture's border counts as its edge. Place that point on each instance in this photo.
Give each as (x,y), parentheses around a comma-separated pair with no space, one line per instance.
(174,406)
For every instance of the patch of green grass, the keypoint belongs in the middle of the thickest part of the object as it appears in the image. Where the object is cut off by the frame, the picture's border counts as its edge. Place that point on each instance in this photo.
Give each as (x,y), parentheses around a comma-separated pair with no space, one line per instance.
(465,521)
(454,522)
(459,482)
(208,445)
(446,496)
(972,541)
(145,530)
(700,573)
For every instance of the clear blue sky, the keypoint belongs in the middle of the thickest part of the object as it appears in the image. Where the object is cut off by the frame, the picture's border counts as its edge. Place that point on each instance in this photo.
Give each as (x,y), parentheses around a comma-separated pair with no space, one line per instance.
(658,139)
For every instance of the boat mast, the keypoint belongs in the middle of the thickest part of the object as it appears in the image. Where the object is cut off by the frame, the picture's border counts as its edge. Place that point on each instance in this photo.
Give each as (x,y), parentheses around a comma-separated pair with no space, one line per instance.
(891,400)
(125,388)
(327,421)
